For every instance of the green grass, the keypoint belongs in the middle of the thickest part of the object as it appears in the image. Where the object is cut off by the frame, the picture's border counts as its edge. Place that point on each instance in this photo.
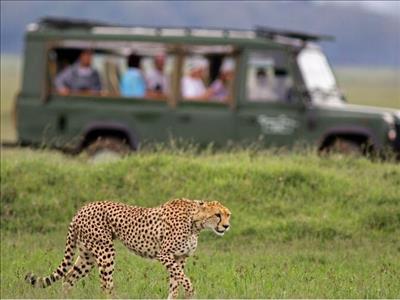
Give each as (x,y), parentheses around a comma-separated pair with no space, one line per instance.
(375,87)
(10,84)
(302,226)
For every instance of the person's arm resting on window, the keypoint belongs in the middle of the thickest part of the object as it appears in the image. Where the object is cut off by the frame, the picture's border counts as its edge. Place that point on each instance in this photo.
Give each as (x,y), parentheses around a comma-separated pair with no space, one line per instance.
(62,82)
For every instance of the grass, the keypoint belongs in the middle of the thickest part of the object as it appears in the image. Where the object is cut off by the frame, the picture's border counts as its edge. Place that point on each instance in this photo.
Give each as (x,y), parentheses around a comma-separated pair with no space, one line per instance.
(376,87)
(10,84)
(302,227)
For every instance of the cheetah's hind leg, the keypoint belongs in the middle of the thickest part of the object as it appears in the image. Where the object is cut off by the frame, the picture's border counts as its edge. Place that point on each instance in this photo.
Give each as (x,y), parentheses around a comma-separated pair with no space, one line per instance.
(83,264)
(105,255)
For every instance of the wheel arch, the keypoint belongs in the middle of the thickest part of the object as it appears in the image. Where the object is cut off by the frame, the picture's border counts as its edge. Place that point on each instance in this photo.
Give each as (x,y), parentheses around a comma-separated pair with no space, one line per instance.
(96,129)
(352,133)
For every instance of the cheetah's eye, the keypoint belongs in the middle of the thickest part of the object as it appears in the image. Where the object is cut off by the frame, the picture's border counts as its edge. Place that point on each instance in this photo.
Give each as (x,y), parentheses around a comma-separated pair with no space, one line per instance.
(218,215)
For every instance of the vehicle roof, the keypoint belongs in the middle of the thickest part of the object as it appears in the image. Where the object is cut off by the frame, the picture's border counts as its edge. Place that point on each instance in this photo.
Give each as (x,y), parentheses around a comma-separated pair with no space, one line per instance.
(56,28)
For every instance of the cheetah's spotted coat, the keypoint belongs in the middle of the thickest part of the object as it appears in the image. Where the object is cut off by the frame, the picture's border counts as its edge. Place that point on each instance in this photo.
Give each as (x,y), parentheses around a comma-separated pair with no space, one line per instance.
(167,233)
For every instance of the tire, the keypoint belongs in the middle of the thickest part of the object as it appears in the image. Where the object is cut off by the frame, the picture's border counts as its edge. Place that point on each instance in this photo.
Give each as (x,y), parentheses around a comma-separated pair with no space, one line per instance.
(346,147)
(107,148)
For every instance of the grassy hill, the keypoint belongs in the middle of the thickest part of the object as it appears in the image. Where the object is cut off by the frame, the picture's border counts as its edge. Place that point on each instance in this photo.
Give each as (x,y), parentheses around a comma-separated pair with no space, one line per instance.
(302,226)
(375,87)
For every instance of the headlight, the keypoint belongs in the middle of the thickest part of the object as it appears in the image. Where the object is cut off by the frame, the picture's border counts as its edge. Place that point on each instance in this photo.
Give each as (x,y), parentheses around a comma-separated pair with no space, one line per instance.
(390,120)
(392,134)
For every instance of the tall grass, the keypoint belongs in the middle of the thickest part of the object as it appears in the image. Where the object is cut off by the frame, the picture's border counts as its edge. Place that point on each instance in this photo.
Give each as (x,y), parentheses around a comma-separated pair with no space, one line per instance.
(302,226)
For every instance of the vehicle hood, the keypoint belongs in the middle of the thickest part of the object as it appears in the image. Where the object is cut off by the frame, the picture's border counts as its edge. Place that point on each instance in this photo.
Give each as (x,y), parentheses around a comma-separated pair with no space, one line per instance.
(362,109)
(371,109)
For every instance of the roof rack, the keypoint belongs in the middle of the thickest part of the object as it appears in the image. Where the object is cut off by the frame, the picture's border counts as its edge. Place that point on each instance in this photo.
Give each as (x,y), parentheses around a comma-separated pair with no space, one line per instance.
(271,33)
(107,28)
(66,23)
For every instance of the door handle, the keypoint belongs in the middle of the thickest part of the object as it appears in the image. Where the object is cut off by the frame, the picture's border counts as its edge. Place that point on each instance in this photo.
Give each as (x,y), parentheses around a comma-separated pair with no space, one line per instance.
(147,116)
(184,118)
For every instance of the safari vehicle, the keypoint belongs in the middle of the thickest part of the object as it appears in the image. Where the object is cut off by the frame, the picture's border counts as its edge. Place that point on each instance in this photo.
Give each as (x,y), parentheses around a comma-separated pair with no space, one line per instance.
(282,91)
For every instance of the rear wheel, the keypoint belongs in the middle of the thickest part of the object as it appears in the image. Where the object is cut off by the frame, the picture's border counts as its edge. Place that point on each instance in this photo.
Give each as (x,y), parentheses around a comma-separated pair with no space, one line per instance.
(107,148)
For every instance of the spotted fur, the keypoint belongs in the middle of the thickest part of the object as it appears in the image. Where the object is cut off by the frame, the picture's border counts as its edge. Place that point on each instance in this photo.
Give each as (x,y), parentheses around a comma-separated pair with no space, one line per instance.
(167,233)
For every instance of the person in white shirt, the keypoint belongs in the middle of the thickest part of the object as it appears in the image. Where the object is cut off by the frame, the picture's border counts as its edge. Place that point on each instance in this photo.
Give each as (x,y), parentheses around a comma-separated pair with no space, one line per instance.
(261,90)
(192,85)
(157,80)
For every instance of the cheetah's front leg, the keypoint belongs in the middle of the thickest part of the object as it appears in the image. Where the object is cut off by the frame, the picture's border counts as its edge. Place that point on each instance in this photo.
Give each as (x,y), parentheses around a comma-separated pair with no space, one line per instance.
(181,261)
(187,285)
(176,276)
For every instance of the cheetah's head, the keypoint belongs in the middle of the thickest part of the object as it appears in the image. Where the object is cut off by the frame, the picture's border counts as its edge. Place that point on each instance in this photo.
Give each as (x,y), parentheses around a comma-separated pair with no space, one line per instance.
(213,215)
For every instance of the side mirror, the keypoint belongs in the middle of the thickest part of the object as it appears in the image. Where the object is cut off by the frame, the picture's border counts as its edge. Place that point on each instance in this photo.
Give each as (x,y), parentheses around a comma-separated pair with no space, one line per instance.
(301,94)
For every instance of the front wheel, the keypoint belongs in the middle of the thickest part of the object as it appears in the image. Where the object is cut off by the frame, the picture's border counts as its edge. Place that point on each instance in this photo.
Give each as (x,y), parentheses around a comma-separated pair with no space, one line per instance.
(347,147)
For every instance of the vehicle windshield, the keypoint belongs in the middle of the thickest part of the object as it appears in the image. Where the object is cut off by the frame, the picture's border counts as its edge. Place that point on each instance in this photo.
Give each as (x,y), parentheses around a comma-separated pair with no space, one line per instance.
(318,76)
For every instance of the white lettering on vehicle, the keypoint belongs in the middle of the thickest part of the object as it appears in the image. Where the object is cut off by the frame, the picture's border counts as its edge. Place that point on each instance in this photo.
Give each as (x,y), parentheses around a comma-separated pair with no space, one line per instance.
(277,125)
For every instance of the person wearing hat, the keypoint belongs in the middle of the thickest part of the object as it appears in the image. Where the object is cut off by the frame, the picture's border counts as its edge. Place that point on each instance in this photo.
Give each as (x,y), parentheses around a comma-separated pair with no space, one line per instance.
(192,85)
(79,77)
(262,88)
(221,86)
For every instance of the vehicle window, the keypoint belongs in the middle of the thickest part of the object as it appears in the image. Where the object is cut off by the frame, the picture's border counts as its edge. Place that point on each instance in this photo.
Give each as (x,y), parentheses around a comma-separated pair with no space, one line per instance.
(147,76)
(268,78)
(315,70)
(208,74)
(128,70)
(318,76)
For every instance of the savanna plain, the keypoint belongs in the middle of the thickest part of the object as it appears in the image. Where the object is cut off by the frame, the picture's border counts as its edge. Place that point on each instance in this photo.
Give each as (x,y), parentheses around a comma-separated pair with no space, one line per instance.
(303,226)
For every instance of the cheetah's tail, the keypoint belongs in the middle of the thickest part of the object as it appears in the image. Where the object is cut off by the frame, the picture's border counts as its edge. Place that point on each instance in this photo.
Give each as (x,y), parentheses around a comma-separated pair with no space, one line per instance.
(62,269)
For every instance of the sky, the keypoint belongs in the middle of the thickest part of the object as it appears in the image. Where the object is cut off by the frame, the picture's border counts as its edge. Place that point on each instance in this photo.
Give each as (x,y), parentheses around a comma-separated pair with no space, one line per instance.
(383,7)
(354,23)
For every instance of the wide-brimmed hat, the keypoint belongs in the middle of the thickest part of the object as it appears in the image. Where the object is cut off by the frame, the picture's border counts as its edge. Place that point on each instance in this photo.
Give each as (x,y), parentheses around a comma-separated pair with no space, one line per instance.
(197,63)
(228,65)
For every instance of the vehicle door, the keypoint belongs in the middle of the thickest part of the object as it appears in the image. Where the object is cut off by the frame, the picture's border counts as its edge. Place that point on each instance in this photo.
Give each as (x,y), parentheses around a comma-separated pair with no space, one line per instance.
(268,110)
(203,114)
(72,114)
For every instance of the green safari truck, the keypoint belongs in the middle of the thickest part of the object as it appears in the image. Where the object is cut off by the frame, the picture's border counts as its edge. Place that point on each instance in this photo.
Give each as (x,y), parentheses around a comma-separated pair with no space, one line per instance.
(203,85)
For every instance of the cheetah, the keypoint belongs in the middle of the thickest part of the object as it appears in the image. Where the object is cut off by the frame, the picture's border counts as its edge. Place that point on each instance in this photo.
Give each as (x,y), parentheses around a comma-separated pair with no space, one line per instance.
(167,233)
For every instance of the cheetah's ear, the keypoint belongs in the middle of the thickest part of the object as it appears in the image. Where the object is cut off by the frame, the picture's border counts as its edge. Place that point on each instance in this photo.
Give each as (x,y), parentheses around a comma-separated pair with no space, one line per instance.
(200,211)
(200,203)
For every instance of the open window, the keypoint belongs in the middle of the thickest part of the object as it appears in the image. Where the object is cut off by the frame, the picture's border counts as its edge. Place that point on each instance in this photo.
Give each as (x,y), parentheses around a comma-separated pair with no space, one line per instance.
(208,74)
(143,71)
(267,77)
(129,70)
